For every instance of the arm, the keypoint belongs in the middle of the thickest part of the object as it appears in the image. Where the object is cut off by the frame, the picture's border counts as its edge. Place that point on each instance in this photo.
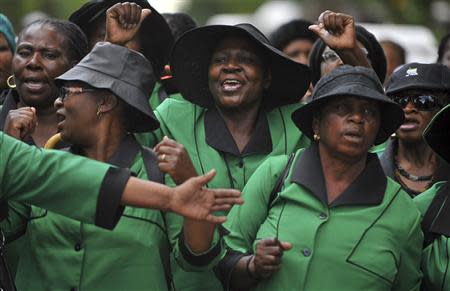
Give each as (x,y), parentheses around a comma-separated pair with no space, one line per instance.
(337,30)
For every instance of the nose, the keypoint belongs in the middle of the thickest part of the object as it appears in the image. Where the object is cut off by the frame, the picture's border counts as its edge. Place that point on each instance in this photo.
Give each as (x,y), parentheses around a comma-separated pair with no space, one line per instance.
(409,107)
(58,103)
(231,66)
(357,116)
(34,62)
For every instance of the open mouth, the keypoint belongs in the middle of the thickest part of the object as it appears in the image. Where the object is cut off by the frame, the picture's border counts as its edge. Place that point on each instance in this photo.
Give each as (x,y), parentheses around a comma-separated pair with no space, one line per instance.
(61,118)
(409,124)
(353,136)
(35,84)
(231,85)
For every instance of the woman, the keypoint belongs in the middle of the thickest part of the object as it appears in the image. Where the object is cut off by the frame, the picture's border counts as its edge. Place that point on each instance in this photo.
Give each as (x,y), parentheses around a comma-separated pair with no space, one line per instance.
(7,48)
(351,222)
(433,204)
(154,40)
(45,50)
(98,114)
(421,90)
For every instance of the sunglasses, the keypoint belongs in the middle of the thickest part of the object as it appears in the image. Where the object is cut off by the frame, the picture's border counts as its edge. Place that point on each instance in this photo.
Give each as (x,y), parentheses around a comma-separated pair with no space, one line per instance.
(421,102)
(67,91)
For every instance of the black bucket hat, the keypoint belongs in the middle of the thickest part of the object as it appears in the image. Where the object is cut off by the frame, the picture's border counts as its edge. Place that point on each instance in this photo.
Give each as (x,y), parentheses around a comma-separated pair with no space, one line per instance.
(350,81)
(419,76)
(157,40)
(375,54)
(130,77)
(191,56)
(437,134)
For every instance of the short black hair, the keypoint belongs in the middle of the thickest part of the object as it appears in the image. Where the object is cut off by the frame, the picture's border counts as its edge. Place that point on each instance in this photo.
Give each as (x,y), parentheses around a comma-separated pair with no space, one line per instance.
(179,23)
(443,47)
(75,41)
(288,32)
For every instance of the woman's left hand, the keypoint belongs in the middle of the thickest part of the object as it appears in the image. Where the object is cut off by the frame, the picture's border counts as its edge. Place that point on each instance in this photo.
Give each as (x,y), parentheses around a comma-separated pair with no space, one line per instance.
(174,160)
(123,21)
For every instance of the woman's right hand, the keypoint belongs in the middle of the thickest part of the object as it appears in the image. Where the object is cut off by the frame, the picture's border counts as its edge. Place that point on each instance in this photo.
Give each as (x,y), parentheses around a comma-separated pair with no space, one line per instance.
(267,258)
(21,122)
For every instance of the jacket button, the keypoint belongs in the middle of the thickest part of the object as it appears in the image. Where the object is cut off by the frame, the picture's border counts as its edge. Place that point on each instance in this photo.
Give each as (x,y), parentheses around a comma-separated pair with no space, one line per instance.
(73,289)
(241,164)
(323,216)
(306,252)
(77,246)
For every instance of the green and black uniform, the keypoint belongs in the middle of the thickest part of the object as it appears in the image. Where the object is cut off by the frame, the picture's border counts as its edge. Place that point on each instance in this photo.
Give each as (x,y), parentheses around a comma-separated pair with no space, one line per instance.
(210,145)
(369,238)
(65,254)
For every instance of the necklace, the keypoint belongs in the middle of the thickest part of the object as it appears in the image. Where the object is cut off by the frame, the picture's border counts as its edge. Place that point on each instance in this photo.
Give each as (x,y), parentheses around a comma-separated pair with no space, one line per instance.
(411,177)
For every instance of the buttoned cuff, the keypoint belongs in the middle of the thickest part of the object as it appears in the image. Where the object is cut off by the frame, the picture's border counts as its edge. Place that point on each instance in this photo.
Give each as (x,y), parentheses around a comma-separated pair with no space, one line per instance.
(109,209)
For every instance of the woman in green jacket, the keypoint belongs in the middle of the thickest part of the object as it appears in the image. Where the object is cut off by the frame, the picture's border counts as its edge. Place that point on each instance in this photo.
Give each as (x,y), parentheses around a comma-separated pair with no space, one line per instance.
(434,206)
(335,221)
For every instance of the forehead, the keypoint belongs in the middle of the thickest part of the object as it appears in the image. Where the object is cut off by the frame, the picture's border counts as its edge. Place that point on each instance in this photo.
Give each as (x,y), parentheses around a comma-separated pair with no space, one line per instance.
(351,100)
(236,43)
(42,35)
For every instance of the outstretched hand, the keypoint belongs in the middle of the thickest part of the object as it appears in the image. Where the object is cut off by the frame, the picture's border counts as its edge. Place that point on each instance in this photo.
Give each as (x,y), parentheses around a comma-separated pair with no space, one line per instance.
(123,21)
(193,201)
(337,30)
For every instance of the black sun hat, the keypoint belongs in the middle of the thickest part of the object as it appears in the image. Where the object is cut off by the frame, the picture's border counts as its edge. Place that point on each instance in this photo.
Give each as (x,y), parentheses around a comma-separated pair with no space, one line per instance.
(158,38)
(130,77)
(437,134)
(191,57)
(350,81)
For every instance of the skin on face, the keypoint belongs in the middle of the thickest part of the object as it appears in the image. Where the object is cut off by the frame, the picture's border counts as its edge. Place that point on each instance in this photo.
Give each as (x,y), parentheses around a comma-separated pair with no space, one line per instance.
(416,120)
(298,50)
(393,57)
(78,114)
(446,56)
(5,61)
(236,74)
(97,33)
(347,127)
(40,57)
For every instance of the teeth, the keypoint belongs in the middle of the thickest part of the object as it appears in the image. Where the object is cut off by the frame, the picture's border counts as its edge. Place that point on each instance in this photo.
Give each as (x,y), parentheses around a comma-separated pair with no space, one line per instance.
(232,82)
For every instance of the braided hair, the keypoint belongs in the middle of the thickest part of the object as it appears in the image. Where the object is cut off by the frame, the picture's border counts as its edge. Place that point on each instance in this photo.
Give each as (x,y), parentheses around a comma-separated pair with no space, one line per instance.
(75,41)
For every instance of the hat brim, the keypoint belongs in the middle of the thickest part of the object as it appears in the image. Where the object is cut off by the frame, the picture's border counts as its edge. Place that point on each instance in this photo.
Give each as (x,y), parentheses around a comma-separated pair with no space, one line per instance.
(391,114)
(191,57)
(143,119)
(437,134)
(158,39)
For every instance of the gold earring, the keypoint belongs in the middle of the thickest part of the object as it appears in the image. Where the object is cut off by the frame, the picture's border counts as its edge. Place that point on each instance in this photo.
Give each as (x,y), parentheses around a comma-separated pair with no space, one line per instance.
(9,83)
(316,137)
(99,114)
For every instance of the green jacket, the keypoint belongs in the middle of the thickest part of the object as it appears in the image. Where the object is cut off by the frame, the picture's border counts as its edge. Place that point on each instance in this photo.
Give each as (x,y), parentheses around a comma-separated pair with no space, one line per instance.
(367,239)
(64,254)
(210,146)
(435,257)
(73,186)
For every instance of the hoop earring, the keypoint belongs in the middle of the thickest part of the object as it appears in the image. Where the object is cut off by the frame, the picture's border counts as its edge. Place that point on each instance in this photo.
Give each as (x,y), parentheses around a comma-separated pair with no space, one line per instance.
(316,137)
(9,83)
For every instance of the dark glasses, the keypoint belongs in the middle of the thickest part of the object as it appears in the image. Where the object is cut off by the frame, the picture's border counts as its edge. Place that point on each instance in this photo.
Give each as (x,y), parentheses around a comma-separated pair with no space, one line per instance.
(421,102)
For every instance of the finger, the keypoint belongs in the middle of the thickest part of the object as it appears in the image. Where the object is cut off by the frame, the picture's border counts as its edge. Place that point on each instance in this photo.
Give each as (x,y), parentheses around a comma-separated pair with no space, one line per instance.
(225,193)
(165,167)
(126,8)
(231,201)
(168,141)
(168,150)
(267,242)
(285,246)
(216,219)
(326,20)
(144,13)
(135,13)
(222,207)
(269,269)
(271,260)
(320,19)
(332,23)
(204,179)
(273,250)
(339,23)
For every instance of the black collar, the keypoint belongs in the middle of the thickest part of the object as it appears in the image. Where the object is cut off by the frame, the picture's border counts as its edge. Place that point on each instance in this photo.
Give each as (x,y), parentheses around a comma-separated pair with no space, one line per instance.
(368,188)
(219,137)
(124,155)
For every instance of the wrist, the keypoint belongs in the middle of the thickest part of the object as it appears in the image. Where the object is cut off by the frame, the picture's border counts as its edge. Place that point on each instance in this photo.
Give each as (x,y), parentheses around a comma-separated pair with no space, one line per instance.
(250,268)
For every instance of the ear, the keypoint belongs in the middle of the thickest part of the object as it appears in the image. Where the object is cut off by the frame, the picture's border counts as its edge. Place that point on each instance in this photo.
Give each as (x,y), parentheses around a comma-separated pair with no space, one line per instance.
(316,124)
(107,103)
(267,79)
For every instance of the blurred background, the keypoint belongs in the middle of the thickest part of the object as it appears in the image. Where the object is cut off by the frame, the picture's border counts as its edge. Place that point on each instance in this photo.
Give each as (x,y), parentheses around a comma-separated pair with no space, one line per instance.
(416,24)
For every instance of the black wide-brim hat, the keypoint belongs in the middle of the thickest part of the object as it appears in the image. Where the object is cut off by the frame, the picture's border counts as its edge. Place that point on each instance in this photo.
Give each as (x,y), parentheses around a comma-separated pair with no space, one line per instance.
(350,81)
(192,53)
(437,134)
(157,41)
(129,76)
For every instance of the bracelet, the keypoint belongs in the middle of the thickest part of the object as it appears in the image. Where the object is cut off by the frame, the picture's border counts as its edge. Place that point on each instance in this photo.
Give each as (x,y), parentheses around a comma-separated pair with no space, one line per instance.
(250,274)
